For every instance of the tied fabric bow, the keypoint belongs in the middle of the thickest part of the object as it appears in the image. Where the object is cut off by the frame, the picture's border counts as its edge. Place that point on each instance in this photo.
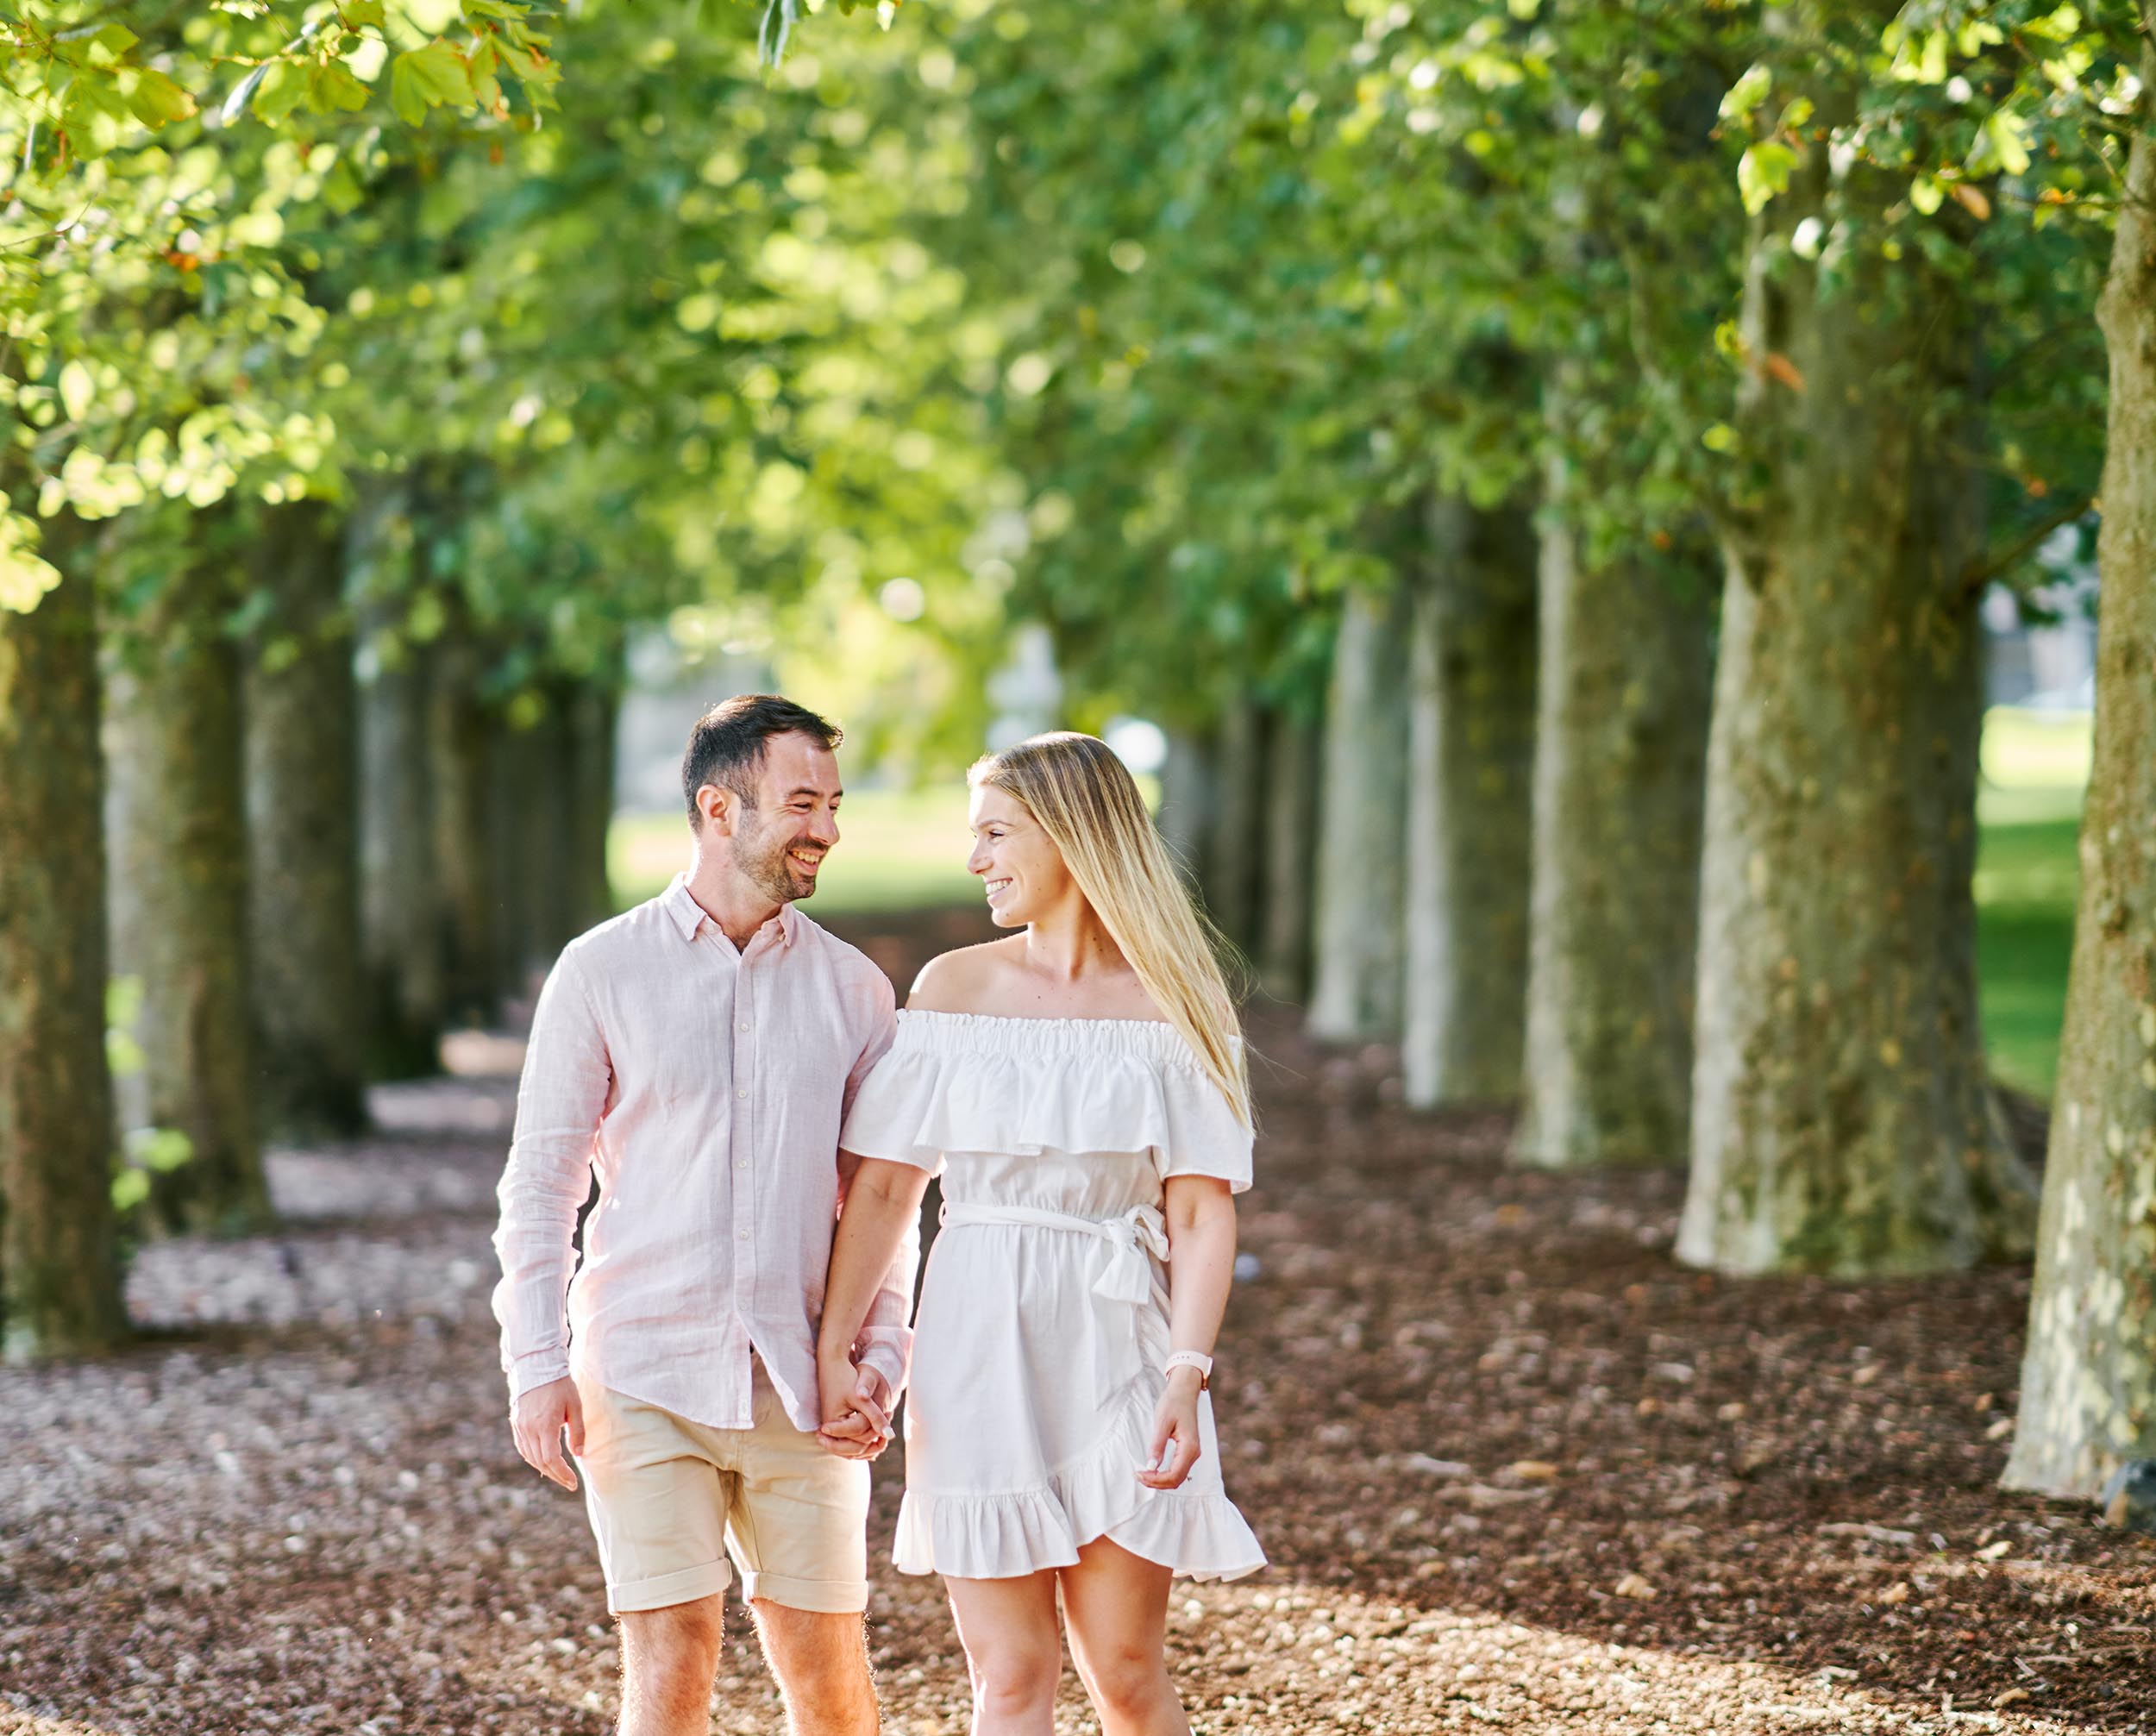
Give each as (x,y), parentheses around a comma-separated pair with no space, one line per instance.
(1126,1275)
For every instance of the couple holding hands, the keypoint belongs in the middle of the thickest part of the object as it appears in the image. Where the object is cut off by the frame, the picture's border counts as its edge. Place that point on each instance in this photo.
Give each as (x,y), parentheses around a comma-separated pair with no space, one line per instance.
(723,1367)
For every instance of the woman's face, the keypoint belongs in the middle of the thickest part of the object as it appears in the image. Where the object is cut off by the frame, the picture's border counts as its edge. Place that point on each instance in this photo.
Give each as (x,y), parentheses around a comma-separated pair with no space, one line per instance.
(1021,870)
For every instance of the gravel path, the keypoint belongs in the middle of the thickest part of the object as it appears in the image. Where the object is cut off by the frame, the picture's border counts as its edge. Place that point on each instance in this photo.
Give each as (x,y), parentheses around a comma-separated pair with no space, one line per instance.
(1517,1471)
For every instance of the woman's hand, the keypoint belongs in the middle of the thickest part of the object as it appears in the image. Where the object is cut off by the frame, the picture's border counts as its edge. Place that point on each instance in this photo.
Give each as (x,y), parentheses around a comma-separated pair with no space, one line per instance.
(1175,1448)
(854,1405)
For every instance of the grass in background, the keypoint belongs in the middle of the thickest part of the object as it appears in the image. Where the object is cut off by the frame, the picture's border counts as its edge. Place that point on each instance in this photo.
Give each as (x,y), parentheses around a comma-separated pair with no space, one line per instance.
(897,849)
(2029,810)
(906,849)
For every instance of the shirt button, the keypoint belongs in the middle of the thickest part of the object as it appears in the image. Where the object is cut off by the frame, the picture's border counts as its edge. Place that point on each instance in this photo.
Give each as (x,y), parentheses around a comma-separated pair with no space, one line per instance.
(744,1235)
(744,1025)
(741,1094)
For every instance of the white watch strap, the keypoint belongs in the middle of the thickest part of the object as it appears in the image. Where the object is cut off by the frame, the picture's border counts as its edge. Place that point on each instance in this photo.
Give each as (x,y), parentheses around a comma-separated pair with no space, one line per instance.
(1189,1359)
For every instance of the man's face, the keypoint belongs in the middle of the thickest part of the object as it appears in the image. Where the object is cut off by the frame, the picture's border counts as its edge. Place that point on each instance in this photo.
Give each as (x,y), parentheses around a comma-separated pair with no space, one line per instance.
(780,842)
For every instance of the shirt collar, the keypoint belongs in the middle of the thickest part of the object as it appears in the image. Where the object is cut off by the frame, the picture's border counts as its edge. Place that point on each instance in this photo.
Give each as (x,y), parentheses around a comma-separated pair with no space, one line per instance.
(690,916)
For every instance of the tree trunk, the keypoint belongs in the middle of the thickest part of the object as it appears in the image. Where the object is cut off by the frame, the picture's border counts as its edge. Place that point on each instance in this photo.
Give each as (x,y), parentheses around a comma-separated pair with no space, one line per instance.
(1290,855)
(60,1276)
(180,892)
(537,839)
(399,929)
(464,739)
(1186,801)
(303,833)
(1842,1120)
(1362,833)
(1620,747)
(594,710)
(1470,782)
(2088,1375)
(1234,845)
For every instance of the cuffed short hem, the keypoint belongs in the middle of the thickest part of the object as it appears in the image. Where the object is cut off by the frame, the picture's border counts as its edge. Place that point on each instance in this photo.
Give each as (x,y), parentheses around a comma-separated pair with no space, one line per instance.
(635,1596)
(817,1596)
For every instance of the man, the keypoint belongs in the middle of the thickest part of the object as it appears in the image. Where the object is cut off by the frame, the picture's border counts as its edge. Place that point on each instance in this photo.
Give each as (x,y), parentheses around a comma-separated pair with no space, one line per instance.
(697,1054)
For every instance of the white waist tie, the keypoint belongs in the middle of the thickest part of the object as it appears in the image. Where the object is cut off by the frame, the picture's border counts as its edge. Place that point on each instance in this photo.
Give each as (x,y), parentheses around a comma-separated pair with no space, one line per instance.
(1123,1274)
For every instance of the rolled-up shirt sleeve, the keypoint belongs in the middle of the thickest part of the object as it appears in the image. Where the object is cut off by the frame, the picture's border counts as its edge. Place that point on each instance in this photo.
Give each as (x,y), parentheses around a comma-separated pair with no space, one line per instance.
(886,1340)
(560,1103)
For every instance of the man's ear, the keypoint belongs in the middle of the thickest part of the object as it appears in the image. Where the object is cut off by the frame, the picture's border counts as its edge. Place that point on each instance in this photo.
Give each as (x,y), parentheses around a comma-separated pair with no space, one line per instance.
(719,806)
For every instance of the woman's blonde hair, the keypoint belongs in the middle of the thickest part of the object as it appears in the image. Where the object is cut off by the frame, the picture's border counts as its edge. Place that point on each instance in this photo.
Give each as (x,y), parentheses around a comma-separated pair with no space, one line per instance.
(1087,803)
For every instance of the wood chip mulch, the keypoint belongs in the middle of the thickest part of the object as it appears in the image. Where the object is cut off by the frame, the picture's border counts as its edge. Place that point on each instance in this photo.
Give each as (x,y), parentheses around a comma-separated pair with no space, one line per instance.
(1517,1469)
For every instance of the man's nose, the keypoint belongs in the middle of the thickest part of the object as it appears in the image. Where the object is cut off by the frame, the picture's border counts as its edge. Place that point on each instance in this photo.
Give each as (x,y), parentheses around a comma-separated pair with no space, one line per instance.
(823,829)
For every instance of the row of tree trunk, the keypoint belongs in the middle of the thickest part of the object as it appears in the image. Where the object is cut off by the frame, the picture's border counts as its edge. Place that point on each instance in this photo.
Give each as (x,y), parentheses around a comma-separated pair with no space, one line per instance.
(309,842)
(1728,917)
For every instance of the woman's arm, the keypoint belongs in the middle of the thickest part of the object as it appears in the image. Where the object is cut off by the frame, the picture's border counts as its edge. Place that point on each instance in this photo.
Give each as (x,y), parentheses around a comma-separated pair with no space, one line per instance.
(883,1202)
(1202,1266)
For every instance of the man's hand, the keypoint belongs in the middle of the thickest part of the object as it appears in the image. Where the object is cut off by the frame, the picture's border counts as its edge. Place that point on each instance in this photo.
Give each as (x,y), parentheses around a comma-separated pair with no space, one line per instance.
(856,1404)
(537,1420)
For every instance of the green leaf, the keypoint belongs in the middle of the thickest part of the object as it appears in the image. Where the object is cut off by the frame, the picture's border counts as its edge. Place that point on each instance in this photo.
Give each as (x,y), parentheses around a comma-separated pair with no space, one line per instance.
(429,77)
(111,42)
(2009,136)
(156,100)
(1763,172)
(1927,194)
(1748,92)
(333,87)
(130,1188)
(358,14)
(283,87)
(76,390)
(25,576)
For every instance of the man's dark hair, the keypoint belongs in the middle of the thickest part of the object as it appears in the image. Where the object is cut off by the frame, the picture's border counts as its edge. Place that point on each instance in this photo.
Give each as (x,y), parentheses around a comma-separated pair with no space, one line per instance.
(727,745)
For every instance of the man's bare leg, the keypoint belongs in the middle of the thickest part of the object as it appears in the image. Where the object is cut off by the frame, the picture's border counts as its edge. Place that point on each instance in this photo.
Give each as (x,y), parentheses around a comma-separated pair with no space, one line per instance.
(821,1664)
(669,1659)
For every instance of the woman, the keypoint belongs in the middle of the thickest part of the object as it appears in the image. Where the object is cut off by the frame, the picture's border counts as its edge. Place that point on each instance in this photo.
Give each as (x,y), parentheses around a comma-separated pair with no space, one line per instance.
(1083,1081)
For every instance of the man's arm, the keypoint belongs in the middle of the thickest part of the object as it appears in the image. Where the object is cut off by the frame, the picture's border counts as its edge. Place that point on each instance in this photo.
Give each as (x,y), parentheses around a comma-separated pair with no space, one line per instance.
(885,1342)
(560,1103)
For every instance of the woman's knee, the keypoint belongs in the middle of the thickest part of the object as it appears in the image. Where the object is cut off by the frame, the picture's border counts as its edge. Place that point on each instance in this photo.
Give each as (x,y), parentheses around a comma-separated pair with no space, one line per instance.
(1127,1681)
(1015,1677)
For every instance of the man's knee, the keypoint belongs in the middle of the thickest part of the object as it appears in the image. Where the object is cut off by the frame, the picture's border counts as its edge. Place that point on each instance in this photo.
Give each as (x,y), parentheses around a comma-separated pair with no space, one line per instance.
(682,1641)
(821,1664)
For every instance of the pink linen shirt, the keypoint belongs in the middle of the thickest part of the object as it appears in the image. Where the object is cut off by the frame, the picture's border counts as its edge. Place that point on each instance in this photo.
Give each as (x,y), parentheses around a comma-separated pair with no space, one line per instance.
(704,1087)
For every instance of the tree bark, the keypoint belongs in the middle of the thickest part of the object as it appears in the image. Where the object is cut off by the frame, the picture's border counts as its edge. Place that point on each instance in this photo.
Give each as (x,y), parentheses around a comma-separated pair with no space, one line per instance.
(1842,1119)
(1290,855)
(595,709)
(1470,783)
(60,1274)
(400,931)
(465,738)
(1186,801)
(1362,834)
(179,848)
(1234,846)
(303,835)
(1620,748)
(2089,1373)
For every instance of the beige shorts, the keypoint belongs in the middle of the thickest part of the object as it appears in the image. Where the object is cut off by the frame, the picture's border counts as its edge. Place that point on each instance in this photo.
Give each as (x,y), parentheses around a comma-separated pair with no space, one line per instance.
(670,1500)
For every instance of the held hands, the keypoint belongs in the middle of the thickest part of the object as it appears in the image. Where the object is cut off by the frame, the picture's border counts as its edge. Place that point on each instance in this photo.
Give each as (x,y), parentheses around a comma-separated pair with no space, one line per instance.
(855,1405)
(1175,1448)
(537,1420)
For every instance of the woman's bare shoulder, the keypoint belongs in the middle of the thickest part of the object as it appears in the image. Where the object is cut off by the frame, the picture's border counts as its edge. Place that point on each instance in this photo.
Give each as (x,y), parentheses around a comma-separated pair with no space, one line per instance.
(962,980)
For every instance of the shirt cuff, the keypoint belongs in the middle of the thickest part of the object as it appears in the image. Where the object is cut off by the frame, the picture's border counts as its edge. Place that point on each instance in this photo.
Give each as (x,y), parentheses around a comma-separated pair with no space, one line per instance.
(535,1368)
(889,1351)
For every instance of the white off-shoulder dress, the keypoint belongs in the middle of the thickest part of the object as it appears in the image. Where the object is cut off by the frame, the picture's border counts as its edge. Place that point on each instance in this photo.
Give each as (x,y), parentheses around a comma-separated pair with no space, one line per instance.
(1044,1317)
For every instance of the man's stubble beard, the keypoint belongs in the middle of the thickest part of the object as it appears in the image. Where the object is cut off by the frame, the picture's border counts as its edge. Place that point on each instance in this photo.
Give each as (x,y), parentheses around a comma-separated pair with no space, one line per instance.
(761,855)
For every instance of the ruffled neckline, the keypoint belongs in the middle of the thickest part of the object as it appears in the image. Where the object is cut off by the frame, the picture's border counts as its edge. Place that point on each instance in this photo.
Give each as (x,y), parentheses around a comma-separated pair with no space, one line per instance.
(962,1033)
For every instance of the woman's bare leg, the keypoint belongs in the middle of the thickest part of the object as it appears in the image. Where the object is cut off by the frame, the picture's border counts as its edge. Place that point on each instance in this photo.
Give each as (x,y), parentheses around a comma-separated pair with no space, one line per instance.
(1014,1654)
(1117,1606)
